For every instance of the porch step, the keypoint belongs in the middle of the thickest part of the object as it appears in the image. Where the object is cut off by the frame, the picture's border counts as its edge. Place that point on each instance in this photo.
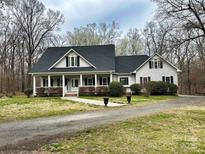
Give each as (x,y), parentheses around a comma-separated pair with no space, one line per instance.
(71,94)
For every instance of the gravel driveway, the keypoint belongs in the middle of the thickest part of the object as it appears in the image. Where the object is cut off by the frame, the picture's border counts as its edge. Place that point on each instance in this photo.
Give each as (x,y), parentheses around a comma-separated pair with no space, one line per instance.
(32,134)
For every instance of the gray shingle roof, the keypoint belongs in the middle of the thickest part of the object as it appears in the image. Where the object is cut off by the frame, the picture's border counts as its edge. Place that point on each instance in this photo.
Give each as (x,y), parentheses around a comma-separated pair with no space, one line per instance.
(101,56)
(128,64)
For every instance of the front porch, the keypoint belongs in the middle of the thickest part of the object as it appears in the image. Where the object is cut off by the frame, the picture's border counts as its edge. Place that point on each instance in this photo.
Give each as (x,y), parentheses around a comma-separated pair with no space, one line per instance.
(71,84)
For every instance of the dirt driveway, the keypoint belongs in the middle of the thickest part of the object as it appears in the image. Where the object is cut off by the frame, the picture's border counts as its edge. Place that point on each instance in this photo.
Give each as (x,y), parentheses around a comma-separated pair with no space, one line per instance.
(31,134)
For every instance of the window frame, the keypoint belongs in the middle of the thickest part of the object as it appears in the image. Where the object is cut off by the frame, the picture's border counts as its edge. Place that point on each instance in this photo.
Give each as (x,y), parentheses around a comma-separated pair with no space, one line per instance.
(124,77)
(88,81)
(106,81)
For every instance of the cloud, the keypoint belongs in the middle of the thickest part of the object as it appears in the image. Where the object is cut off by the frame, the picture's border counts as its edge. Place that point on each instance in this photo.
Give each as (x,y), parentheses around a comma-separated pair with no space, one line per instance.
(128,13)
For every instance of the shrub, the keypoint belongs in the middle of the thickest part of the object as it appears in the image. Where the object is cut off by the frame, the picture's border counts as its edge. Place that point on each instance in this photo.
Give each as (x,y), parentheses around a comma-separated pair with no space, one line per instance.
(156,87)
(172,89)
(115,89)
(28,92)
(136,88)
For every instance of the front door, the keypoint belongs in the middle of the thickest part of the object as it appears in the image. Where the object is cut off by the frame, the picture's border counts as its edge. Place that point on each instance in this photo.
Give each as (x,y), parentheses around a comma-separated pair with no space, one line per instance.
(74,84)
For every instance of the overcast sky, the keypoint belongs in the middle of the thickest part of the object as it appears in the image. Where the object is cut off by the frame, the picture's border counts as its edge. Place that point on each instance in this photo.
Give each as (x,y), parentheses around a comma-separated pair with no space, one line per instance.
(128,13)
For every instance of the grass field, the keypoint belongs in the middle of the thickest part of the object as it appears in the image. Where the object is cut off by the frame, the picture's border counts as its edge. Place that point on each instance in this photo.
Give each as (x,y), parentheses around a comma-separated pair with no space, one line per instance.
(176,131)
(136,100)
(21,107)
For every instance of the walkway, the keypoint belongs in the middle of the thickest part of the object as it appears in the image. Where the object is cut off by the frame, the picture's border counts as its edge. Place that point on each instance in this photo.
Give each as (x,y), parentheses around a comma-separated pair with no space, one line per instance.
(31,134)
(91,102)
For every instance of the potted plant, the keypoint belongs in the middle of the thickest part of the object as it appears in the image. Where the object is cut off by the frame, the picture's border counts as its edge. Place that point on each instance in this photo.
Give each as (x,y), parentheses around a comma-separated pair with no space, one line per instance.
(106,99)
(129,97)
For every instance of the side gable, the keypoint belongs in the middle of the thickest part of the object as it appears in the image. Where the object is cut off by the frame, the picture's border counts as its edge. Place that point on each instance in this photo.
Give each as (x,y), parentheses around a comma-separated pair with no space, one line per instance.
(157,55)
(61,63)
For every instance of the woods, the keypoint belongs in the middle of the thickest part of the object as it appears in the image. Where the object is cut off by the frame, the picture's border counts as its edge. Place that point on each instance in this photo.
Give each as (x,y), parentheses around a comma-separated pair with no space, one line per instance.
(177,32)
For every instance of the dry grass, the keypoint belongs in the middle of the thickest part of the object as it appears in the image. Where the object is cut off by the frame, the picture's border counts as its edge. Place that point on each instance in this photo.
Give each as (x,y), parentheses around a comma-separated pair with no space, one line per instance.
(176,131)
(21,107)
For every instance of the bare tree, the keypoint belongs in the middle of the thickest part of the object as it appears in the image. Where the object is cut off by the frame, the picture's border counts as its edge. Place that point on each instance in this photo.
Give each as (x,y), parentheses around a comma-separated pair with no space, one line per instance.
(37,25)
(185,14)
(93,34)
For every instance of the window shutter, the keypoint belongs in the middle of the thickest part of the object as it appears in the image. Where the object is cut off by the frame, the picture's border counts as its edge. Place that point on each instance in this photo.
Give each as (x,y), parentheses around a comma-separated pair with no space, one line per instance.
(100,80)
(86,81)
(149,78)
(161,64)
(172,80)
(93,80)
(163,78)
(66,81)
(141,80)
(67,61)
(44,82)
(51,82)
(78,60)
(108,80)
(150,64)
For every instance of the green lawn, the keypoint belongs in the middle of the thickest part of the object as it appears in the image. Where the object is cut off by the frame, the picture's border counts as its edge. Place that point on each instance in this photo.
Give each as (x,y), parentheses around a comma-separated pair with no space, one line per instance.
(176,131)
(136,100)
(21,107)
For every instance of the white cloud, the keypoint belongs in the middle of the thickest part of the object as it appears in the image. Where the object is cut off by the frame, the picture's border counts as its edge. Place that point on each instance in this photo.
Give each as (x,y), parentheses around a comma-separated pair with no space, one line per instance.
(129,13)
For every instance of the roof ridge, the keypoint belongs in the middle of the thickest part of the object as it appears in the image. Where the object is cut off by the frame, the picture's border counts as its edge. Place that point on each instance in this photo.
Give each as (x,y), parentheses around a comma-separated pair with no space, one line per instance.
(83,46)
(132,55)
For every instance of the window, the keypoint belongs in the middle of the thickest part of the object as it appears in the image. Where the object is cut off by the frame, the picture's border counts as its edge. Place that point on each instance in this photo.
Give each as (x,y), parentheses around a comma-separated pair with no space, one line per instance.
(74,82)
(51,82)
(144,80)
(104,81)
(124,81)
(59,82)
(45,82)
(90,81)
(156,63)
(168,79)
(72,61)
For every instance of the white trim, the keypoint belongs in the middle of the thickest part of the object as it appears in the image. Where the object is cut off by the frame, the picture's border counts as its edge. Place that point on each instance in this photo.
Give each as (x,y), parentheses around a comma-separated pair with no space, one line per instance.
(96,80)
(81,80)
(67,73)
(49,81)
(34,86)
(178,70)
(63,84)
(118,79)
(67,54)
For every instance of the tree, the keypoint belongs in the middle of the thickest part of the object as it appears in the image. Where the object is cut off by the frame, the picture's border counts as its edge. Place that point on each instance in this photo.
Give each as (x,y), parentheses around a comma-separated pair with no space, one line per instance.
(131,43)
(185,14)
(37,25)
(93,34)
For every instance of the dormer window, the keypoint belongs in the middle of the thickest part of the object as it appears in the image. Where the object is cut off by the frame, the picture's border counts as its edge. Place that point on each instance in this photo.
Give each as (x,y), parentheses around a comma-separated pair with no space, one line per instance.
(156,63)
(72,61)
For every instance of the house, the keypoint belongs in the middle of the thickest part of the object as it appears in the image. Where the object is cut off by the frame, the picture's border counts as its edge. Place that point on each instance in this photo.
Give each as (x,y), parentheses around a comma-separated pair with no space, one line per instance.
(66,70)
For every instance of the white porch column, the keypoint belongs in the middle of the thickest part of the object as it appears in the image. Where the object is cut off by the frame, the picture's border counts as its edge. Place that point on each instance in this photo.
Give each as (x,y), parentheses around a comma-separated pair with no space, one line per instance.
(110,77)
(63,82)
(81,80)
(96,80)
(34,86)
(49,81)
